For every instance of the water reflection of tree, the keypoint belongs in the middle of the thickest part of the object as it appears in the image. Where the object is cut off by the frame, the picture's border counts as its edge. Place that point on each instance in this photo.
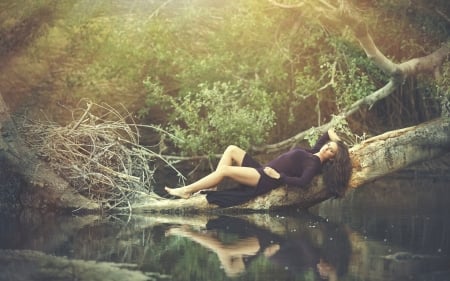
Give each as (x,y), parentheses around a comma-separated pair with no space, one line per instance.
(241,246)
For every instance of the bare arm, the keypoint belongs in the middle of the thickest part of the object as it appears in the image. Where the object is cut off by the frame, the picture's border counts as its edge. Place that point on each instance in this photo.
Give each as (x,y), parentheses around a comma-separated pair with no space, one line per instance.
(333,136)
(272,173)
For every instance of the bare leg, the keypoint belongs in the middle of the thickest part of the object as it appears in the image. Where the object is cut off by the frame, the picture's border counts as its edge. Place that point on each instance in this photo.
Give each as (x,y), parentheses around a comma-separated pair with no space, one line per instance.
(243,175)
(232,154)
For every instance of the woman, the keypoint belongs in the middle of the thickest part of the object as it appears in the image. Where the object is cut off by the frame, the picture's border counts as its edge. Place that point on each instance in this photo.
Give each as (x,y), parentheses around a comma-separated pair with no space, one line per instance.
(296,167)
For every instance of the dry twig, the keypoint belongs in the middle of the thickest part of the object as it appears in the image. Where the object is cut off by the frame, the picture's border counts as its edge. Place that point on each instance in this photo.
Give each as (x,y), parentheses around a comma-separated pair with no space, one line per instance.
(99,154)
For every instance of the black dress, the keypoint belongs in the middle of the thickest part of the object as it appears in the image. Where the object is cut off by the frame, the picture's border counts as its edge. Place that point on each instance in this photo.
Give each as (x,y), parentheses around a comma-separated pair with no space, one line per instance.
(297,167)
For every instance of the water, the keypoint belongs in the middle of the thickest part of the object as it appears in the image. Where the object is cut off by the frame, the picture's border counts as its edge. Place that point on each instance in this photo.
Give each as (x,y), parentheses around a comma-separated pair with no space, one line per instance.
(338,240)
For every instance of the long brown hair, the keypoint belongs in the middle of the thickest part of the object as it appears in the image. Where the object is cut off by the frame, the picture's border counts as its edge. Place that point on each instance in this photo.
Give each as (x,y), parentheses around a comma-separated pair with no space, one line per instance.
(337,172)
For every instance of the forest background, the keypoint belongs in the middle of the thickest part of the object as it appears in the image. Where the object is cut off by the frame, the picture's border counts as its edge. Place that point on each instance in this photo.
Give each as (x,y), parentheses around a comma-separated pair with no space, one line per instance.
(214,73)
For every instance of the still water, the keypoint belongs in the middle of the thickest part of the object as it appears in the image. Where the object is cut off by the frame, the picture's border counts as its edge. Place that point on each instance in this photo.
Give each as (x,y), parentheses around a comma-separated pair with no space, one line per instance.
(354,239)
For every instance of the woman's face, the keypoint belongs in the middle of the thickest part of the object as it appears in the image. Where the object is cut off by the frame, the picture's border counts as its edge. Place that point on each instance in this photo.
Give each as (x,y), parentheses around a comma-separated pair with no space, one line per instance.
(329,150)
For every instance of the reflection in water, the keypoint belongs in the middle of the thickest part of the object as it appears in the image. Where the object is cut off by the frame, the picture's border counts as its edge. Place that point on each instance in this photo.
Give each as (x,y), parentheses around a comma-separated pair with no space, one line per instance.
(297,246)
(233,257)
(297,254)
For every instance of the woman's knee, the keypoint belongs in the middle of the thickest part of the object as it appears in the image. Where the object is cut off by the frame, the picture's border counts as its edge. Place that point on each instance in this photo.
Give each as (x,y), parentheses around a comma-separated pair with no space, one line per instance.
(235,152)
(232,148)
(225,171)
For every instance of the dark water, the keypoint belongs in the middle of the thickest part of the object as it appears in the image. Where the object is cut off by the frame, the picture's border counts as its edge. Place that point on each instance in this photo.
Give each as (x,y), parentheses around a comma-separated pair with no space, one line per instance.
(353,239)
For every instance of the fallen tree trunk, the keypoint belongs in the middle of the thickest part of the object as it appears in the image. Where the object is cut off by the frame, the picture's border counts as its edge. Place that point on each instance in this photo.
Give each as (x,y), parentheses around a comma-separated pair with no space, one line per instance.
(373,158)
(391,151)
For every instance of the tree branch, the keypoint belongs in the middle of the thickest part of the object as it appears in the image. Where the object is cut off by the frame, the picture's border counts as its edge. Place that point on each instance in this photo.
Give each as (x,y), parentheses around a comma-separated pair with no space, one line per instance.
(343,16)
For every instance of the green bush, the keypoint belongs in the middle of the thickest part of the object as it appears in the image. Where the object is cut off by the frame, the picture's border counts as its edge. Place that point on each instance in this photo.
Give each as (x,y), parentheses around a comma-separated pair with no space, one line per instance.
(217,115)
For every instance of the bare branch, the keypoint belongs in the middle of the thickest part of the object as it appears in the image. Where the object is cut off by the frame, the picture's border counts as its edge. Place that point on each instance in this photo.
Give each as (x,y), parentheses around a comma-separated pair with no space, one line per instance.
(315,5)
(101,159)
(89,106)
(330,83)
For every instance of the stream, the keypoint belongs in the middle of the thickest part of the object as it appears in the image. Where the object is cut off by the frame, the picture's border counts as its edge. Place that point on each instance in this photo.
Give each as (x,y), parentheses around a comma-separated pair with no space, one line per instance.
(393,229)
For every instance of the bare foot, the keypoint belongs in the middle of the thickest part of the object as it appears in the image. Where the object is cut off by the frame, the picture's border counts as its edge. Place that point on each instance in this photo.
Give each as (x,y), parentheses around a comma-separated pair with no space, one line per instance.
(177,192)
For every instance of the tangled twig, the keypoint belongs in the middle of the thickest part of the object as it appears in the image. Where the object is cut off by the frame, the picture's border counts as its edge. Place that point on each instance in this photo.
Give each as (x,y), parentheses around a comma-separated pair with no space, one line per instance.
(99,154)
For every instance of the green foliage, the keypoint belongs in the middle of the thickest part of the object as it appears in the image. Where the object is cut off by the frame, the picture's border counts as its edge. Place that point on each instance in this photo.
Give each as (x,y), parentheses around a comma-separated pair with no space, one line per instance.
(104,50)
(312,136)
(355,75)
(436,92)
(226,44)
(120,49)
(352,84)
(207,120)
(422,19)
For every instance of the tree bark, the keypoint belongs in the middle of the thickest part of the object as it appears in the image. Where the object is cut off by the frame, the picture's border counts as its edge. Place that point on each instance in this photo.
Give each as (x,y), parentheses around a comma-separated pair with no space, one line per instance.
(373,158)
(392,151)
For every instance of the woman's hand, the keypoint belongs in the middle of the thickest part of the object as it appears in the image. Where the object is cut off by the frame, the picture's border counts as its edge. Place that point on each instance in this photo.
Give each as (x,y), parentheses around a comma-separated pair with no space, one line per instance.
(333,136)
(271,173)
